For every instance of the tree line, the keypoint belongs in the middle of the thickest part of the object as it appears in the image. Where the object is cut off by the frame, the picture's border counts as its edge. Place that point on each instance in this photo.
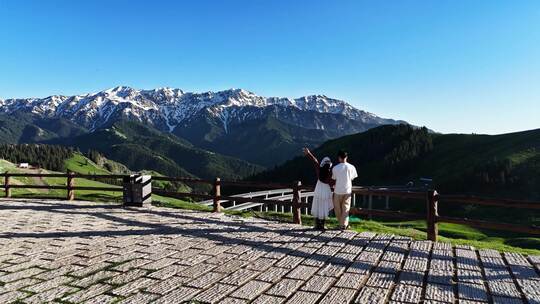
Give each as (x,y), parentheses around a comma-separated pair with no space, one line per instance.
(43,156)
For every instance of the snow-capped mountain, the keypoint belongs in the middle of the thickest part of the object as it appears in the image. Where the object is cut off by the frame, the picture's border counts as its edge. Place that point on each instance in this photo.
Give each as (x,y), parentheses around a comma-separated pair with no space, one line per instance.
(168,109)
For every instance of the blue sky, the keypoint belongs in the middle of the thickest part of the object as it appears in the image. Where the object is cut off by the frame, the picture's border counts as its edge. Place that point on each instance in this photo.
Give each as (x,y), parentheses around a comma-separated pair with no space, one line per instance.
(454,66)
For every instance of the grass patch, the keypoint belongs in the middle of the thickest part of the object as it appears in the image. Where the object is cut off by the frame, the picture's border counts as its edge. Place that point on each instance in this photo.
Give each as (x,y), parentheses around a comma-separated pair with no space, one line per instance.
(80,164)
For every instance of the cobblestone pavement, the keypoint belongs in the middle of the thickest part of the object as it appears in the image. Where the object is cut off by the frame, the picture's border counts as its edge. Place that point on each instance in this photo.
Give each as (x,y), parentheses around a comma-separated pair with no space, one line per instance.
(81,252)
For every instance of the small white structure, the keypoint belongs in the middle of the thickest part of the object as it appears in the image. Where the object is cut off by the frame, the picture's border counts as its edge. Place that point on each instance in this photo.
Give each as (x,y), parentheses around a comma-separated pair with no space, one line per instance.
(24,165)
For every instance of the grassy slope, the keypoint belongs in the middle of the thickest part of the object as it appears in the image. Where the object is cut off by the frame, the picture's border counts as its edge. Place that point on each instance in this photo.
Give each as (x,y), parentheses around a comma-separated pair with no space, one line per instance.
(80,164)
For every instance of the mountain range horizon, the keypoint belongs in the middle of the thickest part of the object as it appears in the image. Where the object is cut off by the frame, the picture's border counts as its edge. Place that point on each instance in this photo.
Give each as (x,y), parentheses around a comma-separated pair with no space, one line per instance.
(232,122)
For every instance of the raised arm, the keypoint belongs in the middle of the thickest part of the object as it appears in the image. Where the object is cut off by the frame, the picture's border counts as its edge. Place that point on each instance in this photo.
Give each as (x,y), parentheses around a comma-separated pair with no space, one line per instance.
(310,155)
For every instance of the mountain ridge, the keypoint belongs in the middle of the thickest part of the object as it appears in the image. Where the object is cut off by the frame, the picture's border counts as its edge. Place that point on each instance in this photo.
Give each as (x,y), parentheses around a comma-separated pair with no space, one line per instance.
(166,108)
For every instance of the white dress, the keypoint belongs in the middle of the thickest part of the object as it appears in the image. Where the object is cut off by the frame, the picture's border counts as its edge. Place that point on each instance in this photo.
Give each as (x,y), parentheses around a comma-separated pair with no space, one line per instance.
(322,201)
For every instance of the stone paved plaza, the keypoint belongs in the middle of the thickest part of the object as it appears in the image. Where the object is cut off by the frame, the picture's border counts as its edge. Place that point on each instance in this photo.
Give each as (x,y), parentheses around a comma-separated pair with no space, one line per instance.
(82,252)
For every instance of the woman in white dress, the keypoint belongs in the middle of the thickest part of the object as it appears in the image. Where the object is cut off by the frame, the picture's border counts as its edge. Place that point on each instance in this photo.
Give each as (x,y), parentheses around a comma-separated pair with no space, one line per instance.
(322,196)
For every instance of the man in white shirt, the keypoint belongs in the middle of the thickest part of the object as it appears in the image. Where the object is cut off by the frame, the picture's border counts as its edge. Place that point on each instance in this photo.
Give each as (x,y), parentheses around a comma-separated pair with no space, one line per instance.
(343,173)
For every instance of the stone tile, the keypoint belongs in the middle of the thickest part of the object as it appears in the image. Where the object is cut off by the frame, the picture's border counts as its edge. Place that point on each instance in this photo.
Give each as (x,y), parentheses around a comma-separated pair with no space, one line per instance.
(407,293)
(438,292)
(86,271)
(166,272)
(302,272)
(333,270)
(338,295)
(289,262)
(166,285)
(318,284)
(273,274)
(94,278)
(122,278)
(159,264)
(388,267)
(196,270)
(240,277)
(415,264)
(134,286)
(361,267)
(215,293)
(351,280)
(372,295)
(469,276)
(20,284)
(302,297)
(474,292)
(285,287)
(206,280)
(139,298)
(233,301)
(50,284)
(409,277)
(13,296)
(136,263)
(266,299)
(261,264)
(251,290)
(441,264)
(27,273)
(381,280)
(503,289)
(67,269)
(90,292)
(178,295)
(102,299)
(440,276)
(50,295)
(504,300)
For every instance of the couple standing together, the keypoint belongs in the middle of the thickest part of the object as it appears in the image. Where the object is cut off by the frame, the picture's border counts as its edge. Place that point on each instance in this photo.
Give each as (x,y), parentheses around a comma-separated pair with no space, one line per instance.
(337,178)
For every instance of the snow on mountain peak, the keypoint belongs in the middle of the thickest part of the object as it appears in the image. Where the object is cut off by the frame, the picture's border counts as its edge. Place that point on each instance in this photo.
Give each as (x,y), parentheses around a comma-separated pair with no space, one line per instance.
(167,107)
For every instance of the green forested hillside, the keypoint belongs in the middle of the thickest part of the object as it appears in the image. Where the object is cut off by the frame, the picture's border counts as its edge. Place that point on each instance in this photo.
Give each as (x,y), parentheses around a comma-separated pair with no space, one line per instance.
(266,142)
(143,148)
(27,128)
(504,166)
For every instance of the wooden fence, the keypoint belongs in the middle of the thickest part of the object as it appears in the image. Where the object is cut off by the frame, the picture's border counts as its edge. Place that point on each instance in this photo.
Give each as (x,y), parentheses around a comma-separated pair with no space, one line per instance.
(430,197)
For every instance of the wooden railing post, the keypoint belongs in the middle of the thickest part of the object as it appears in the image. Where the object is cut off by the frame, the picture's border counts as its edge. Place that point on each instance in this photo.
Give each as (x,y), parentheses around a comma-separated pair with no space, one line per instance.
(7,189)
(297,218)
(217,195)
(70,184)
(432,213)
(370,205)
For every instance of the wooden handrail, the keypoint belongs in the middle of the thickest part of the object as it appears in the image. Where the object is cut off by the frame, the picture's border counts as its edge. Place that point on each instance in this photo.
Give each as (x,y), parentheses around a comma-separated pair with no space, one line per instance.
(255,184)
(183,179)
(391,193)
(466,199)
(36,174)
(431,198)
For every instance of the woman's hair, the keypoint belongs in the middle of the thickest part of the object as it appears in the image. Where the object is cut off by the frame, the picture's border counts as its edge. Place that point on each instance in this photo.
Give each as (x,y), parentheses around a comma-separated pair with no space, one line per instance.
(325,172)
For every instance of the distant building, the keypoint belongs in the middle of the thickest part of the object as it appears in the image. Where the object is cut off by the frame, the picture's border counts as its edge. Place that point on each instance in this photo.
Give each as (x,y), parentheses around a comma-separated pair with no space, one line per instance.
(24,165)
